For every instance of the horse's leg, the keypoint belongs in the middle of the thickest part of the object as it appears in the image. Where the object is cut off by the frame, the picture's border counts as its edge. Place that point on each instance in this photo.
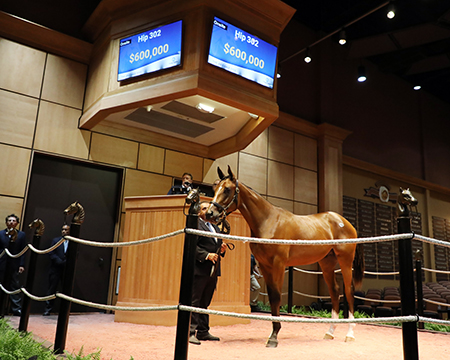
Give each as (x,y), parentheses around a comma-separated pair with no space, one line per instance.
(327,265)
(346,261)
(274,280)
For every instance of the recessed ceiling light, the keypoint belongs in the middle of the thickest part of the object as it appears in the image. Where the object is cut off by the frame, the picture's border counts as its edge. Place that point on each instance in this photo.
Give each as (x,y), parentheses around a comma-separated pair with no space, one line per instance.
(205,108)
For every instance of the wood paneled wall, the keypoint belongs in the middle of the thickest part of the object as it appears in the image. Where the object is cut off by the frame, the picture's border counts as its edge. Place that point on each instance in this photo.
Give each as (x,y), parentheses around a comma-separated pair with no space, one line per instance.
(41,99)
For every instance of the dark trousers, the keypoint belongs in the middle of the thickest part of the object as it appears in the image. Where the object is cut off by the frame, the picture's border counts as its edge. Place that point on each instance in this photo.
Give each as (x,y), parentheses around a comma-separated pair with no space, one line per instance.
(54,278)
(10,280)
(202,293)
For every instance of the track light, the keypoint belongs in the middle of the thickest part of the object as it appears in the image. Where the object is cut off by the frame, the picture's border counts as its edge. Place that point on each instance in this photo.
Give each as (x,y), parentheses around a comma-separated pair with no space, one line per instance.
(417,87)
(362,74)
(279,71)
(307,57)
(342,37)
(391,10)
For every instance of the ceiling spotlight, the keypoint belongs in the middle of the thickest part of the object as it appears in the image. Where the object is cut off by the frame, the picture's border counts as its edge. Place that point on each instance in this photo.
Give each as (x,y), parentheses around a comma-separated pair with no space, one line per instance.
(362,74)
(417,87)
(205,108)
(279,71)
(391,10)
(307,57)
(149,108)
(254,116)
(342,37)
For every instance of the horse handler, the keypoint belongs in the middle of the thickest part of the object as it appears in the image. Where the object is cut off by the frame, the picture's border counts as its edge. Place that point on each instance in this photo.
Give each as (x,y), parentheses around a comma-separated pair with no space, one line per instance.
(207,269)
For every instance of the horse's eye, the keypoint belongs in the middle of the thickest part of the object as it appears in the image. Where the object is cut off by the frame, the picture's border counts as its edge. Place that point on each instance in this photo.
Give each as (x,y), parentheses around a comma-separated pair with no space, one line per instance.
(227,190)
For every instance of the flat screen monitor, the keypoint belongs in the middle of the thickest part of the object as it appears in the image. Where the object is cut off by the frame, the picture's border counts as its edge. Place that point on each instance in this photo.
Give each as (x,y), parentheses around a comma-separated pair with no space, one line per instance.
(150,51)
(241,53)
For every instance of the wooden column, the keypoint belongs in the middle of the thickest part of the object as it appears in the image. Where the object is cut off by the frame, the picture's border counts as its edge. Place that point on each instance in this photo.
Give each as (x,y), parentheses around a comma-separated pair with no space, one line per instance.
(330,139)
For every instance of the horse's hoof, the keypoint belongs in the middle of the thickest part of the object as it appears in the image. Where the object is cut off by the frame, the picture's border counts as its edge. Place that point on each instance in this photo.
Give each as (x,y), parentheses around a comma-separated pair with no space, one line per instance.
(271,343)
(328,336)
(349,338)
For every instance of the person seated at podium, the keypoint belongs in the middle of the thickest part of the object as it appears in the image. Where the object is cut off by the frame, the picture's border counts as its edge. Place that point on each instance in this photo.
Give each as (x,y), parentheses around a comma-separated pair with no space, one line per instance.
(206,270)
(184,188)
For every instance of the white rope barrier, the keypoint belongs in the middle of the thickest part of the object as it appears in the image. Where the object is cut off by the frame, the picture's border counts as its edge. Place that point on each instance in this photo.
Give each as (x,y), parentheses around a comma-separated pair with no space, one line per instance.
(434,321)
(410,318)
(9,292)
(432,241)
(339,270)
(436,271)
(303,242)
(436,302)
(113,307)
(38,298)
(128,243)
(46,251)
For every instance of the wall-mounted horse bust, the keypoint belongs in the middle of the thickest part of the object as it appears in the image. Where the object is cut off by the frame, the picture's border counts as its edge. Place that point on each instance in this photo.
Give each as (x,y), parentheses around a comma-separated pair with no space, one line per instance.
(271,222)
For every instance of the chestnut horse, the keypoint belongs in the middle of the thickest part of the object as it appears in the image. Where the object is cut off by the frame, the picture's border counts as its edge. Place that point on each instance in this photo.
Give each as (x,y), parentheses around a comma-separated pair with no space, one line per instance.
(271,222)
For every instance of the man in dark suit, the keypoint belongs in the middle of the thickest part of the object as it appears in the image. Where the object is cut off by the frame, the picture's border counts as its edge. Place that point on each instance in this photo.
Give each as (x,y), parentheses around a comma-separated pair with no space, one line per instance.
(206,271)
(10,268)
(184,188)
(58,263)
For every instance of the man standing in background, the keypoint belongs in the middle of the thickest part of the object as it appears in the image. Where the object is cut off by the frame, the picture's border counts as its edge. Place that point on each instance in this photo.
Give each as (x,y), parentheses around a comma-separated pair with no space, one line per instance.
(15,241)
(58,263)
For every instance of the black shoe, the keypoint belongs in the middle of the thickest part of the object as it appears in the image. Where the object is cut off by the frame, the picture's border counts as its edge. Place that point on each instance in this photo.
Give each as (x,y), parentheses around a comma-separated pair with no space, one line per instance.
(255,308)
(194,340)
(207,336)
(17,313)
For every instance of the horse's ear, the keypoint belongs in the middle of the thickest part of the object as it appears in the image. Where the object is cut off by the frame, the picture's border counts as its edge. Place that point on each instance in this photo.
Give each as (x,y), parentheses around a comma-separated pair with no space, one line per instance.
(220,173)
(230,173)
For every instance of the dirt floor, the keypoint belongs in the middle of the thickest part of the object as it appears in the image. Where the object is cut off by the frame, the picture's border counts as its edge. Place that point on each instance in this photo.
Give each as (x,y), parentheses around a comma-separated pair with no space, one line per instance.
(120,341)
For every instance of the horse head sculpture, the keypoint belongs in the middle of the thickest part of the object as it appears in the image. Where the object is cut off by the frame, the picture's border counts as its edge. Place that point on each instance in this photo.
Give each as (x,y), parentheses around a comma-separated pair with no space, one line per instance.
(39,225)
(193,199)
(77,209)
(406,201)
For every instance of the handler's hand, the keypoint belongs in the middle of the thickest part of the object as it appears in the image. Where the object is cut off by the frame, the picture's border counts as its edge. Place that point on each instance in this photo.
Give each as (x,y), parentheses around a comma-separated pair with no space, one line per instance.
(212,257)
(223,247)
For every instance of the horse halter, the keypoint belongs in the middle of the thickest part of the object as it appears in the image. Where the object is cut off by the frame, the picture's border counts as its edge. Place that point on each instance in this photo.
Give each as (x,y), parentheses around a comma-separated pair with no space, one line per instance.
(223,210)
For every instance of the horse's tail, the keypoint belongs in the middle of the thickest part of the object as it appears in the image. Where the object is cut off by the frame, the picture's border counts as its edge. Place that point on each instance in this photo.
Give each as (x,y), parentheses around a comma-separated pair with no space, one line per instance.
(358,266)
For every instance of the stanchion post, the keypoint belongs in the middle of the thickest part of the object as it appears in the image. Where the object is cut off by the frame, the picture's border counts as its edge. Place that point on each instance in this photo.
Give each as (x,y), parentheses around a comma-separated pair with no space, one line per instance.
(345,303)
(26,302)
(3,295)
(419,288)
(67,289)
(290,288)
(187,279)
(409,329)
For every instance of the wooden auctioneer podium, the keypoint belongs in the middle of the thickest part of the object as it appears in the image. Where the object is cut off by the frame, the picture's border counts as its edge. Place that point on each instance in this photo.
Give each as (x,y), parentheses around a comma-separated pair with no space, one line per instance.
(151,273)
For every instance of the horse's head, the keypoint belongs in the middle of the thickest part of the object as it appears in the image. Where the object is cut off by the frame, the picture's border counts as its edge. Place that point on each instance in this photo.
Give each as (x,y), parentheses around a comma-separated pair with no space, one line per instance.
(225,198)
(77,209)
(39,225)
(405,201)
(407,198)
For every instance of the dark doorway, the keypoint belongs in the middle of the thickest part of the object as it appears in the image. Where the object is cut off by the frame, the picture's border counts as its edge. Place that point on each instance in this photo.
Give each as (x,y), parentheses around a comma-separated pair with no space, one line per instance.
(54,184)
